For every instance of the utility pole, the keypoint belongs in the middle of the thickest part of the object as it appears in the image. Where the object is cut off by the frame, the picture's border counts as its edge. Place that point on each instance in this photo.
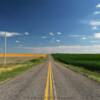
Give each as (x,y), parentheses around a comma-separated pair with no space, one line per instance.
(5,49)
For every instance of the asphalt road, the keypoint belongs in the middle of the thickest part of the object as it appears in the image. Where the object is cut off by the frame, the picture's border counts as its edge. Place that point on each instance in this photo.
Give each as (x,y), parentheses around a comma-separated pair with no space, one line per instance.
(50,81)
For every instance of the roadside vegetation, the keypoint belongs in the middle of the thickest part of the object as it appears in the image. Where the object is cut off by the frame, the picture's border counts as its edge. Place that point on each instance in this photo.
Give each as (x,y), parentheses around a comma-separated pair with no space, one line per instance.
(87,64)
(12,69)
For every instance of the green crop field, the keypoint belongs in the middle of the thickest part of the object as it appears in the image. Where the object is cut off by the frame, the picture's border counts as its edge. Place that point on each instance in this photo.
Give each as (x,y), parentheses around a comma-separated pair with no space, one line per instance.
(87,61)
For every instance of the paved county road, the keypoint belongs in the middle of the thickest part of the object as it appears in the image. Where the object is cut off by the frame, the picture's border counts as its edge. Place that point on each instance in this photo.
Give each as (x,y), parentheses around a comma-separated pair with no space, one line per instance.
(50,81)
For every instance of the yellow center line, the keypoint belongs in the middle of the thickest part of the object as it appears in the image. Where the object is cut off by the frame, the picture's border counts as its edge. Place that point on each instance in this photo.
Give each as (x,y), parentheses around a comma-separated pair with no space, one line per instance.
(49,82)
(47,86)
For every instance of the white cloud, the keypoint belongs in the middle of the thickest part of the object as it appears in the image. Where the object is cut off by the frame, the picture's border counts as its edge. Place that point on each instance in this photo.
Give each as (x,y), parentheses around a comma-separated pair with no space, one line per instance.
(17,41)
(65,49)
(51,33)
(97,35)
(88,37)
(95,23)
(44,37)
(96,13)
(91,22)
(58,41)
(26,33)
(98,6)
(9,34)
(59,33)
(84,38)
(94,28)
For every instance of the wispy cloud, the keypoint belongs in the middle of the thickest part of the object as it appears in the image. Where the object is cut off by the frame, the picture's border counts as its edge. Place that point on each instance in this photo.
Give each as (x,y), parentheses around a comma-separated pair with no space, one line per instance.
(26,33)
(95,23)
(96,13)
(65,49)
(84,38)
(94,28)
(17,41)
(51,33)
(58,41)
(59,33)
(97,35)
(12,34)
(56,33)
(98,5)
(9,34)
(93,37)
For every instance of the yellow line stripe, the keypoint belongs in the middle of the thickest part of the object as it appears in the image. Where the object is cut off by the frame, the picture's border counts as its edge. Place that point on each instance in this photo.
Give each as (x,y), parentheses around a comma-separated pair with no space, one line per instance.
(51,84)
(47,86)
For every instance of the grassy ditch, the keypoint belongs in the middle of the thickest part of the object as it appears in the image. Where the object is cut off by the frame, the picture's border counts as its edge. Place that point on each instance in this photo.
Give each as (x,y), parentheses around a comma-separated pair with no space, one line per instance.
(86,64)
(11,70)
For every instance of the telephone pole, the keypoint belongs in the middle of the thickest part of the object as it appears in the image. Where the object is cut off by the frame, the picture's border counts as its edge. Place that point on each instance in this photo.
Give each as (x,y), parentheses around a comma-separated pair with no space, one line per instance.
(5,49)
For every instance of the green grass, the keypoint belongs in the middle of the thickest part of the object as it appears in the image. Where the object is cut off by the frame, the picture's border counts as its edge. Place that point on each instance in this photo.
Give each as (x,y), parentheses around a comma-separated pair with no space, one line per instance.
(88,61)
(87,64)
(23,67)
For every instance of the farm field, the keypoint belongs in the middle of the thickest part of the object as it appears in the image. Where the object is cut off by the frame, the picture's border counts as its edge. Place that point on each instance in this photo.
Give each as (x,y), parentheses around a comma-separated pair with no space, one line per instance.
(23,55)
(17,64)
(88,61)
(88,64)
(20,58)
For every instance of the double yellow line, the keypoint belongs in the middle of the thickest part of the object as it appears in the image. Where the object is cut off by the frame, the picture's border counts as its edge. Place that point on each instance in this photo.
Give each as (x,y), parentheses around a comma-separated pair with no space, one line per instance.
(49,84)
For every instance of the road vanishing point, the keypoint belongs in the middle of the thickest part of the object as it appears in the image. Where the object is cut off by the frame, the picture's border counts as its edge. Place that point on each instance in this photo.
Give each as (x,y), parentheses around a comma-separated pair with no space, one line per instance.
(50,81)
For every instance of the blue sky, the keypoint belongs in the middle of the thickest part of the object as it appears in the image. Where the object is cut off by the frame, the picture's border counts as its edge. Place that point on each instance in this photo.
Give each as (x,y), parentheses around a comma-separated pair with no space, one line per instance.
(50,25)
